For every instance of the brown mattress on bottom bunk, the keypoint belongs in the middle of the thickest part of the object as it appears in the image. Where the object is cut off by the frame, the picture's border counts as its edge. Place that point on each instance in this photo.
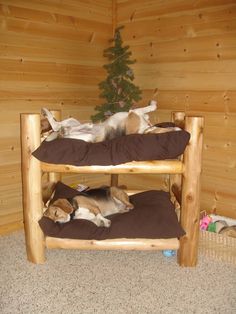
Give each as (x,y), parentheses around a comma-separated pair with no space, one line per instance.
(153,217)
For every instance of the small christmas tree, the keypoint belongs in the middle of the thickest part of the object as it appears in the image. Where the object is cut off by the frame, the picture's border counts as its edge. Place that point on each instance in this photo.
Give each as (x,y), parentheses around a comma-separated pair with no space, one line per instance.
(118,90)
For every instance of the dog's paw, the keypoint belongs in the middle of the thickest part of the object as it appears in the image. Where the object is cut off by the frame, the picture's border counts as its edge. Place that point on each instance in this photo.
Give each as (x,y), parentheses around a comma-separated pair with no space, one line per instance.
(105,223)
(153,105)
(129,206)
(45,112)
(102,221)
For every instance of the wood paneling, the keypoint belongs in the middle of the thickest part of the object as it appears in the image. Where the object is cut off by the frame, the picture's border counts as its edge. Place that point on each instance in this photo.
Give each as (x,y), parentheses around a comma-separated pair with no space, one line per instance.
(187,51)
(51,55)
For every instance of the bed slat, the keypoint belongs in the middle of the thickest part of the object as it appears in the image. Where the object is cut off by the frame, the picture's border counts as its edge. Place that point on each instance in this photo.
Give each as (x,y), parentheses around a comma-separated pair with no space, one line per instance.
(113,244)
(157,166)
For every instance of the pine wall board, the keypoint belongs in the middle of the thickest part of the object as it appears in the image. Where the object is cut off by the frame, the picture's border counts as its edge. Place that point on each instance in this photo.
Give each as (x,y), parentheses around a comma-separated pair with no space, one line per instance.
(51,55)
(186,58)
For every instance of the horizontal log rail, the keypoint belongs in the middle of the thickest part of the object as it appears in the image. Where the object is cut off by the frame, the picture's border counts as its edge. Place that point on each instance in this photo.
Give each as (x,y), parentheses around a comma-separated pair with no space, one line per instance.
(113,244)
(157,166)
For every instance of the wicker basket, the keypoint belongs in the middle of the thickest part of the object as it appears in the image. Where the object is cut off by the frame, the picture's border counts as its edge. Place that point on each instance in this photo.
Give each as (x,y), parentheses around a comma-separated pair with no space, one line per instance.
(217,246)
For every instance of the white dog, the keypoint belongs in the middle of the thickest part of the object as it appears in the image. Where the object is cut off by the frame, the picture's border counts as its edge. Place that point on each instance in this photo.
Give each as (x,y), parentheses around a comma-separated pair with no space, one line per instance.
(135,121)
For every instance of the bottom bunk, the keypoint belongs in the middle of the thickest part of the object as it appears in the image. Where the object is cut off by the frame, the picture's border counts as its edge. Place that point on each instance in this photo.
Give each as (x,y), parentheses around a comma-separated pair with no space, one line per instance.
(185,177)
(152,224)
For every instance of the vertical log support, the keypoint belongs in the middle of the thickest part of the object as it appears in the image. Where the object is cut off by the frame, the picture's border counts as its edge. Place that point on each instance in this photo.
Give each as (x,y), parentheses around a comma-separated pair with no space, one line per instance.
(114,179)
(190,209)
(54,177)
(32,192)
(178,117)
(176,179)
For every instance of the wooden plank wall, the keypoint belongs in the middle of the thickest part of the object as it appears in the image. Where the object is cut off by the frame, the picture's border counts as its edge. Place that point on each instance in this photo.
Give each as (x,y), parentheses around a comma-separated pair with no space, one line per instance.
(187,50)
(51,55)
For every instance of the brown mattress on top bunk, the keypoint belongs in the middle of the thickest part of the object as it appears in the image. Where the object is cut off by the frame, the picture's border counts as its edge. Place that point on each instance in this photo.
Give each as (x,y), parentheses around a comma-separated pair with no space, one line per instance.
(134,147)
(153,217)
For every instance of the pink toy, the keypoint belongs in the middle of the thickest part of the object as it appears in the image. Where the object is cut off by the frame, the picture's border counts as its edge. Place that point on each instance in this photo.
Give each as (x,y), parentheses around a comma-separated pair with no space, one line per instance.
(204,222)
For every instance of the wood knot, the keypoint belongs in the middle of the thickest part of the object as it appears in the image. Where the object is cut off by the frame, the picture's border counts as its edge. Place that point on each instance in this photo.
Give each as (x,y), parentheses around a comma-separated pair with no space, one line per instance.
(189,198)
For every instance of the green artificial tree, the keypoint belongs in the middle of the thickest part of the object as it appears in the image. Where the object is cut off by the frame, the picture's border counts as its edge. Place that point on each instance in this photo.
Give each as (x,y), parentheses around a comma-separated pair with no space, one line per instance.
(117,89)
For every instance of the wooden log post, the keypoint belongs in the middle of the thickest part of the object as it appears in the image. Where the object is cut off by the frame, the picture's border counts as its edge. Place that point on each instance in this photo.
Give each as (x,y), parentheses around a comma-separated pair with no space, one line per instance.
(190,209)
(176,179)
(114,179)
(178,117)
(32,193)
(54,177)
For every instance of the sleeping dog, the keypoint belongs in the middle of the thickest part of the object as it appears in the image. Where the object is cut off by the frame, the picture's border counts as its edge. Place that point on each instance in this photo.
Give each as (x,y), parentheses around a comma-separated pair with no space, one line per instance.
(95,205)
(135,121)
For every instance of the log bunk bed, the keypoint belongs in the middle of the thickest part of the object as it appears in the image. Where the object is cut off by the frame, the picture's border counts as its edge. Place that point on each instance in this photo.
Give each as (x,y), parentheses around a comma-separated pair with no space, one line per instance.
(184,183)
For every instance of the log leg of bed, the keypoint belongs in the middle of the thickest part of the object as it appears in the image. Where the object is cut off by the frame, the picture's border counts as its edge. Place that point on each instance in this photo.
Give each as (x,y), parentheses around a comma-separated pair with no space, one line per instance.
(176,179)
(190,209)
(55,176)
(114,179)
(32,190)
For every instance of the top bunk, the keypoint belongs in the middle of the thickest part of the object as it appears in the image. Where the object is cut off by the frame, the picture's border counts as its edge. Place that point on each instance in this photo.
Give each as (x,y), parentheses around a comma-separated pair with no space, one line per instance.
(149,153)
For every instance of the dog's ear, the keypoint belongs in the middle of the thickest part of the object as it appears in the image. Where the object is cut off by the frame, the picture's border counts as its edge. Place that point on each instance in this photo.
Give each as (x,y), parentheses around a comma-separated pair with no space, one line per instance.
(122,196)
(45,125)
(47,213)
(74,203)
(64,204)
(48,189)
(132,123)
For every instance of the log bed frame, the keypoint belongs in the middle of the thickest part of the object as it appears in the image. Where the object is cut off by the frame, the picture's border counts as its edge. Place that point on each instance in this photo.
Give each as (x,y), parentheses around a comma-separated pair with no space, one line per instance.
(184,183)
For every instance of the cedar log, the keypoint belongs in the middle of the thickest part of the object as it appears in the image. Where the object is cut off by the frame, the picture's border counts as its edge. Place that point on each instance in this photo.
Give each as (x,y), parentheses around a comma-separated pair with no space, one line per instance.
(176,179)
(154,166)
(114,179)
(32,188)
(190,208)
(113,244)
(55,176)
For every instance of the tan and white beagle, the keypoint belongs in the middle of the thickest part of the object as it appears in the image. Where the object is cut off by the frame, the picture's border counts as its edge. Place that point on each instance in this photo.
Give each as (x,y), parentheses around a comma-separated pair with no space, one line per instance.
(136,121)
(95,205)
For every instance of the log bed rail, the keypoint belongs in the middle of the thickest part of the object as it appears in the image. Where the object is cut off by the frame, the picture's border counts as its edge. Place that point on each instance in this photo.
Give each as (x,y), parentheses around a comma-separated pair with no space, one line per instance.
(185,176)
(156,166)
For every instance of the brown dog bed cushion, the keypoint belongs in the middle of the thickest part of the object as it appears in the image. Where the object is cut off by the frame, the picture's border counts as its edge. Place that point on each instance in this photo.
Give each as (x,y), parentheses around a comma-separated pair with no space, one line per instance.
(153,217)
(134,147)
